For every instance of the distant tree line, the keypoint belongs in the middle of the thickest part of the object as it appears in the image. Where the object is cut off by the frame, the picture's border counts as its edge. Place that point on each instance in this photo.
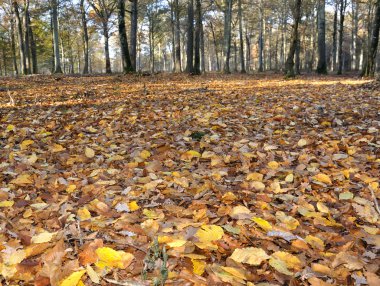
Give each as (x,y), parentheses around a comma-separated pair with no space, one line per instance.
(193,36)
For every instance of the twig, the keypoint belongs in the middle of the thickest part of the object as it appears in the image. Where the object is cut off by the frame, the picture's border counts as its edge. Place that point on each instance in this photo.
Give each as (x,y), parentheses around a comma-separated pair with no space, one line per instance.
(374,200)
(125,283)
(12,101)
(80,233)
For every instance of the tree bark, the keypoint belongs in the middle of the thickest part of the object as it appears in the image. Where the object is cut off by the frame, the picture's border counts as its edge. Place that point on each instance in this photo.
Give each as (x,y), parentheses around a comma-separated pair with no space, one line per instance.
(134,17)
(57,57)
(13,45)
(33,47)
(241,40)
(322,65)
(178,64)
(20,38)
(343,4)
(190,37)
(197,43)
(215,46)
(289,64)
(334,36)
(227,35)
(125,58)
(85,37)
(106,46)
(26,36)
(372,51)
(261,37)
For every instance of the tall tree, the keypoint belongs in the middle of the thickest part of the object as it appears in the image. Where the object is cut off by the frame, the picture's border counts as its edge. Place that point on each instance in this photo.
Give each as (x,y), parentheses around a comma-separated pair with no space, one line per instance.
(125,59)
(57,56)
(104,10)
(289,64)
(177,31)
(261,37)
(322,64)
(227,35)
(372,51)
(241,40)
(13,43)
(21,44)
(26,36)
(85,37)
(197,43)
(33,46)
(334,38)
(133,43)
(343,5)
(190,37)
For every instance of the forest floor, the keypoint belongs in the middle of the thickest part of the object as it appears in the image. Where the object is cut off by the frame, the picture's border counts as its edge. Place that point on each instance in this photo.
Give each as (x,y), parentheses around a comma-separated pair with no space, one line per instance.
(212,180)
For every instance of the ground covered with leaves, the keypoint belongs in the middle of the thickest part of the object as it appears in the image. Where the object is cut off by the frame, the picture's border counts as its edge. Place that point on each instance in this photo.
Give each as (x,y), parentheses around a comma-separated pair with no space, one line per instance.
(177,180)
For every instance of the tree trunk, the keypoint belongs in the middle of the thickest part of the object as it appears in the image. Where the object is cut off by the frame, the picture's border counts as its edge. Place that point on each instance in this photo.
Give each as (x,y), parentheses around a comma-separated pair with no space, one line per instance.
(203,61)
(85,37)
(289,64)
(261,37)
(322,65)
(172,26)
(343,4)
(106,46)
(178,64)
(297,69)
(241,40)
(215,46)
(372,51)
(125,58)
(13,45)
(227,35)
(27,36)
(134,17)
(57,57)
(197,43)
(20,38)
(334,36)
(190,37)
(33,47)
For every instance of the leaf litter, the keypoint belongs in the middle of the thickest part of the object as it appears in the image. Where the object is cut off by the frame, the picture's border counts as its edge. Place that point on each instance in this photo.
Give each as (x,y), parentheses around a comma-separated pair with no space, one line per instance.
(253,181)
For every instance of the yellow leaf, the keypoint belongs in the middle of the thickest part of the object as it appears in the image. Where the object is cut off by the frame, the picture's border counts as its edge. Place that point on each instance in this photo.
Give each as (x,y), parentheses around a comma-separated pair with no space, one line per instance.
(43,237)
(89,152)
(6,204)
(289,178)
(133,206)
(145,154)
(235,272)
(198,266)
(109,257)
(273,165)
(73,278)
(177,243)
(291,261)
(240,212)
(71,188)
(249,255)
(302,143)
(92,274)
(187,156)
(262,223)
(57,148)
(32,158)
(23,179)
(370,230)
(10,127)
(255,177)
(323,208)
(323,178)
(24,144)
(288,222)
(84,214)
(208,233)
(16,257)
(279,265)
(228,198)
(315,242)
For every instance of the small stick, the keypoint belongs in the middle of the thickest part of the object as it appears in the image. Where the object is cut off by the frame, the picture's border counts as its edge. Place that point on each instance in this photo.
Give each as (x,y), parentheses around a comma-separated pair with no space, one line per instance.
(374,200)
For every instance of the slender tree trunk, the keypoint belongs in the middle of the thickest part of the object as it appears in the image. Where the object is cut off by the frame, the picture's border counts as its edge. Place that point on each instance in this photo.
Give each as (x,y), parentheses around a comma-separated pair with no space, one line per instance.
(372,51)
(322,65)
(134,17)
(261,37)
(125,59)
(27,36)
(172,26)
(190,37)
(197,43)
(20,38)
(106,46)
(334,36)
(13,45)
(215,46)
(227,35)
(248,43)
(85,37)
(297,67)
(203,62)
(178,64)
(343,4)
(33,47)
(57,57)
(289,65)
(241,40)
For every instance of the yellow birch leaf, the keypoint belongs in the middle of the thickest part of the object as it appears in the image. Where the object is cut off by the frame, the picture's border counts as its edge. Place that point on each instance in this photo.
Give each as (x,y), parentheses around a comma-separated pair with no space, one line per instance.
(133,206)
(90,153)
(289,178)
(92,274)
(57,148)
(71,188)
(145,154)
(250,255)
(198,266)
(273,165)
(109,257)
(290,260)
(73,279)
(6,204)
(177,243)
(323,208)
(255,177)
(315,242)
(262,223)
(84,214)
(43,237)
(23,179)
(208,233)
(24,144)
(323,178)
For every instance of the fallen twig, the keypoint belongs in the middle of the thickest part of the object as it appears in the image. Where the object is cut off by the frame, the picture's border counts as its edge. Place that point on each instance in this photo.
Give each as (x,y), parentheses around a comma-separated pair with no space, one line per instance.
(374,200)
